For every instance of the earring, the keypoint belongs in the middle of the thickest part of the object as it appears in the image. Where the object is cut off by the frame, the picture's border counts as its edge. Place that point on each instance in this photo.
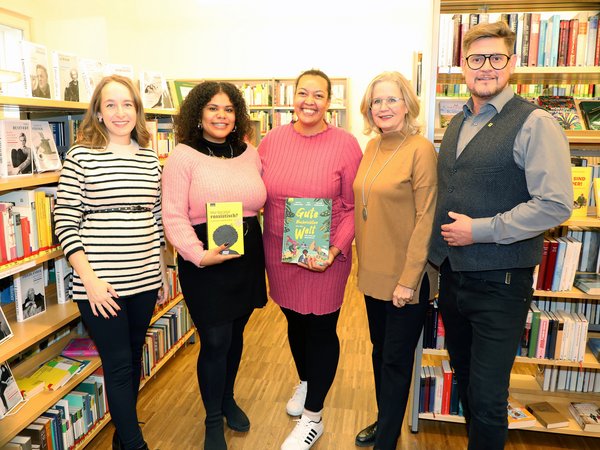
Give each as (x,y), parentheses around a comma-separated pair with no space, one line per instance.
(200,126)
(234,129)
(100,119)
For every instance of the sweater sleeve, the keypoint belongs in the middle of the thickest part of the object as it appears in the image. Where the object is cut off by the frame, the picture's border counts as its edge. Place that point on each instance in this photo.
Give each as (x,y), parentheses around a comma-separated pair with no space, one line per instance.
(424,181)
(343,234)
(176,184)
(69,208)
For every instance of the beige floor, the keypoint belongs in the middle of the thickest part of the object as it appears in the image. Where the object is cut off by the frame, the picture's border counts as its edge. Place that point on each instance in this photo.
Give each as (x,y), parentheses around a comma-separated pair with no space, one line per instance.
(173,414)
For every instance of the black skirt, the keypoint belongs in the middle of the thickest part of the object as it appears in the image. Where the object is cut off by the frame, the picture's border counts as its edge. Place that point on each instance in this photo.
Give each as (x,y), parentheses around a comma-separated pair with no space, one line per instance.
(224,292)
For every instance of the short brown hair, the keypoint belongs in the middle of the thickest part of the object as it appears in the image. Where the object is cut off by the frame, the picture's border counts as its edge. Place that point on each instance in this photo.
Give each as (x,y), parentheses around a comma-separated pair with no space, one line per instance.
(490,30)
(93,133)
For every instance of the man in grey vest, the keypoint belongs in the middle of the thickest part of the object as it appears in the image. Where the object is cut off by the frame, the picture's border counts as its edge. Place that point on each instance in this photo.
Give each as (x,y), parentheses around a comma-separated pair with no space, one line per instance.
(503,179)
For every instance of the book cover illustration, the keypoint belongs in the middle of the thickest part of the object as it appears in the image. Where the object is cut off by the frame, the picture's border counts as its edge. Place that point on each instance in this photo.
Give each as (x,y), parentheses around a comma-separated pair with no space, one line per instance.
(224,225)
(35,63)
(80,347)
(5,330)
(518,416)
(590,110)
(64,279)
(582,179)
(45,153)
(56,372)
(66,76)
(563,109)
(306,230)
(91,73)
(448,109)
(15,148)
(154,90)
(30,296)
(587,415)
(10,394)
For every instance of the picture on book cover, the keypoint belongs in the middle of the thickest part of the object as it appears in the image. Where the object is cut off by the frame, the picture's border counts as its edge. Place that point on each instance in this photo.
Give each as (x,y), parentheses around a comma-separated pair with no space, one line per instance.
(91,72)
(66,76)
(35,63)
(10,394)
(30,296)
(154,90)
(306,230)
(45,154)
(5,331)
(591,113)
(448,109)
(15,148)
(563,109)
(224,225)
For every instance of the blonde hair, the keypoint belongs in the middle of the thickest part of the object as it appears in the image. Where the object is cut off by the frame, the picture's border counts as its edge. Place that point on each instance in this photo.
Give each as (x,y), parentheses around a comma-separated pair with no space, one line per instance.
(490,30)
(411,125)
(93,133)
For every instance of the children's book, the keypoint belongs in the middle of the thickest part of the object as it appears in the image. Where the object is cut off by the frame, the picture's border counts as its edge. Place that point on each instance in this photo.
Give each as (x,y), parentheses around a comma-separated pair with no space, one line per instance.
(9,390)
(45,153)
(587,415)
(5,330)
(30,295)
(563,109)
(582,182)
(80,347)
(224,222)
(306,230)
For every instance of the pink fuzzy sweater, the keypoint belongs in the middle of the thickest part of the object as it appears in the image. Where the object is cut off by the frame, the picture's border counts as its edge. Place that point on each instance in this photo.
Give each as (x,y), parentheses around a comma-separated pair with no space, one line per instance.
(192,179)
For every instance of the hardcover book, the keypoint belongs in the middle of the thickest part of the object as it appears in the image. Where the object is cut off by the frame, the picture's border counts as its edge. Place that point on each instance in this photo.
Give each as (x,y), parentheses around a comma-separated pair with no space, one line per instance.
(35,64)
(588,283)
(448,109)
(548,415)
(66,76)
(590,110)
(5,330)
(224,225)
(10,394)
(15,148)
(563,109)
(582,182)
(154,90)
(306,230)
(518,416)
(587,415)
(30,296)
(45,153)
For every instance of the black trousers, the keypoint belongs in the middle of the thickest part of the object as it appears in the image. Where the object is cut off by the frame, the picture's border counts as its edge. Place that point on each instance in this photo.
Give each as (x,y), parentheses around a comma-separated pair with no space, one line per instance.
(120,341)
(484,319)
(315,348)
(394,334)
(221,349)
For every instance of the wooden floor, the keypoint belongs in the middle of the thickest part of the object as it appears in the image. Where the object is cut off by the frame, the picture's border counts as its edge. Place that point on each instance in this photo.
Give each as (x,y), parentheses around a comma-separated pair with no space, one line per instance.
(171,408)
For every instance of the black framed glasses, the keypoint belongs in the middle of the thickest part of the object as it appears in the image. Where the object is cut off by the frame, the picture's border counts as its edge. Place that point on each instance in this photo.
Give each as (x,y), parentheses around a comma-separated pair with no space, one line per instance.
(498,61)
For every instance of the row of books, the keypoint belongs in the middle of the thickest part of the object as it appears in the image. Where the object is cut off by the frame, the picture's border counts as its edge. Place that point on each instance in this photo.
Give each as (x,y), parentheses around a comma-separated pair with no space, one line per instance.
(334,118)
(27,147)
(590,308)
(527,90)
(438,393)
(65,76)
(27,222)
(558,267)
(556,334)
(162,136)
(542,39)
(284,94)
(572,379)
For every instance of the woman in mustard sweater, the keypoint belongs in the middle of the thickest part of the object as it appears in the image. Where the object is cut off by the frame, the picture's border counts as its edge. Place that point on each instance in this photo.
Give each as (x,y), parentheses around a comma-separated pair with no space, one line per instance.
(394,193)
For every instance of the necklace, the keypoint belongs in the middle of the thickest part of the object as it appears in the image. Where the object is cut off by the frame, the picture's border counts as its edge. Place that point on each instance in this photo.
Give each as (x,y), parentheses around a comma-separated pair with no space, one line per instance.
(211,153)
(365,199)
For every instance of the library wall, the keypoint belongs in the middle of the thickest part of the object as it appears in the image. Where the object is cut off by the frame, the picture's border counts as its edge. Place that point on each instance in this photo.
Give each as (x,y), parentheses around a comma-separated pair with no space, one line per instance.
(239,39)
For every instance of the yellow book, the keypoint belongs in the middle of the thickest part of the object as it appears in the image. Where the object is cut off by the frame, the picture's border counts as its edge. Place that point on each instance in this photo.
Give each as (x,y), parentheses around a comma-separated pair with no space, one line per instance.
(582,179)
(29,386)
(224,221)
(42,219)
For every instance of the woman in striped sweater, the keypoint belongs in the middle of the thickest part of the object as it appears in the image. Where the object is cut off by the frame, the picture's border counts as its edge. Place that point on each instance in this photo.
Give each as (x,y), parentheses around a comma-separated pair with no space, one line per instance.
(108,221)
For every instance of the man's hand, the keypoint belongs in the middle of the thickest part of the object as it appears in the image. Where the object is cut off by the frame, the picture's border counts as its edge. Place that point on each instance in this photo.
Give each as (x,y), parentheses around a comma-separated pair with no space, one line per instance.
(459,232)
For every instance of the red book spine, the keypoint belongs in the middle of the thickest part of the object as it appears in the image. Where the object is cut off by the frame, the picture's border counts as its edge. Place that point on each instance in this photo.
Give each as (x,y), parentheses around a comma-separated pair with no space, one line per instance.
(572,46)
(25,234)
(540,279)
(563,42)
(534,39)
(3,257)
(552,251)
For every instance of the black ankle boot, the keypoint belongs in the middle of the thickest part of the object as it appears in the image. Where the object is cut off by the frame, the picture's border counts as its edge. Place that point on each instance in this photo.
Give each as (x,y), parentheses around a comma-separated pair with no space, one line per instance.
(237,419)
(214,438)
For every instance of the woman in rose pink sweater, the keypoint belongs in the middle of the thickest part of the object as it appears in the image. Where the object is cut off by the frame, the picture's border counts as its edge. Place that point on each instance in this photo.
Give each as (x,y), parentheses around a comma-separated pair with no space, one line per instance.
(310,158)
(213,163)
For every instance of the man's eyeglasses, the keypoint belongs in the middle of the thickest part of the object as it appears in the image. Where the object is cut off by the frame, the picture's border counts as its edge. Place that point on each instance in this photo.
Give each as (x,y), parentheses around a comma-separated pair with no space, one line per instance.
(377,103)
(498,61)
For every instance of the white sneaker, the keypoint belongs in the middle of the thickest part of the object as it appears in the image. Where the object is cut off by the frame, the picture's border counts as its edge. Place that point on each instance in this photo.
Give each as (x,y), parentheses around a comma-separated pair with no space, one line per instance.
(295,405)
(304,435)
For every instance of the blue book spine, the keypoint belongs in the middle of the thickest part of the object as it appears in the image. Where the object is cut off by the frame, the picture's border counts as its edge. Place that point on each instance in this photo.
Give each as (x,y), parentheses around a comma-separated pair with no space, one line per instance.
(555,35)
(542,43)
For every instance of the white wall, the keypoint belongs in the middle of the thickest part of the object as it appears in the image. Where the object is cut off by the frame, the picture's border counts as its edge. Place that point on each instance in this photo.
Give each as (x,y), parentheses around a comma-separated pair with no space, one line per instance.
(240,39)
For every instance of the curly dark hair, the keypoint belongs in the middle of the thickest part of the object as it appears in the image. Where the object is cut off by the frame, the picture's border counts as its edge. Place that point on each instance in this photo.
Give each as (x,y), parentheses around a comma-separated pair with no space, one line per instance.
(190,113)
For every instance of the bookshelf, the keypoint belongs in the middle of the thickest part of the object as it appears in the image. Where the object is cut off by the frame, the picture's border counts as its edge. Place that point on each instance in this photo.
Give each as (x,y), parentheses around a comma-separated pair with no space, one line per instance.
(62,318)
(523,386)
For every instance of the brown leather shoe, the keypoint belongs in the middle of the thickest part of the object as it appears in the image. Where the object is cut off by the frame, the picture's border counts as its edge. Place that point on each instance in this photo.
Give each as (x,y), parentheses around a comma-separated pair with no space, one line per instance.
(366,437)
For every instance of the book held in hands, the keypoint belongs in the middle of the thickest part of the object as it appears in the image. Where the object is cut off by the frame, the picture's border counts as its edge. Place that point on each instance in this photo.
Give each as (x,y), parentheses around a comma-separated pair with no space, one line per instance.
(225,225)
(306,230)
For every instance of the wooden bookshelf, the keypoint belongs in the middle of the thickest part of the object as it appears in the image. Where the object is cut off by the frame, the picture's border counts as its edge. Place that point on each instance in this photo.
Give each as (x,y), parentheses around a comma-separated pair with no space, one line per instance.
(26,181)
(470,6)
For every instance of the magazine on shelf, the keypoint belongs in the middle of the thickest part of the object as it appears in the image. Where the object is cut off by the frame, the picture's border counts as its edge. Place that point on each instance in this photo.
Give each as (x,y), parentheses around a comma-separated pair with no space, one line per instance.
(10,394)
(306,230)
(45,153)
(30,296)
(5,330)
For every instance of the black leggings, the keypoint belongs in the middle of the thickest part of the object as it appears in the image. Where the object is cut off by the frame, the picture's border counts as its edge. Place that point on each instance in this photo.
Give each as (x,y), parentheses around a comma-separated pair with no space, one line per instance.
(316,350)
(220,355)
(120,341)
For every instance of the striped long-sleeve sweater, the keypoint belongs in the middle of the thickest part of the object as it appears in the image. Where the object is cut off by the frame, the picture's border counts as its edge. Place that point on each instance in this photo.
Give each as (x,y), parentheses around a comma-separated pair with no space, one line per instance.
(97,191)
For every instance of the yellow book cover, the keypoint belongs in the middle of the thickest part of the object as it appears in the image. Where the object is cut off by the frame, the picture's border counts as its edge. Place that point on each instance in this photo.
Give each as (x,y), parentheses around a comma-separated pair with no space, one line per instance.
(224,221)
(29,386)
(597,195)
(582,179)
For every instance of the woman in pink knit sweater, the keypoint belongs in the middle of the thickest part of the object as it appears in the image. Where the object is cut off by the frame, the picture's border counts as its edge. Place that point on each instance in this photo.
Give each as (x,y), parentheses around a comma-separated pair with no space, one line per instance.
(213,163)
(310,158)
